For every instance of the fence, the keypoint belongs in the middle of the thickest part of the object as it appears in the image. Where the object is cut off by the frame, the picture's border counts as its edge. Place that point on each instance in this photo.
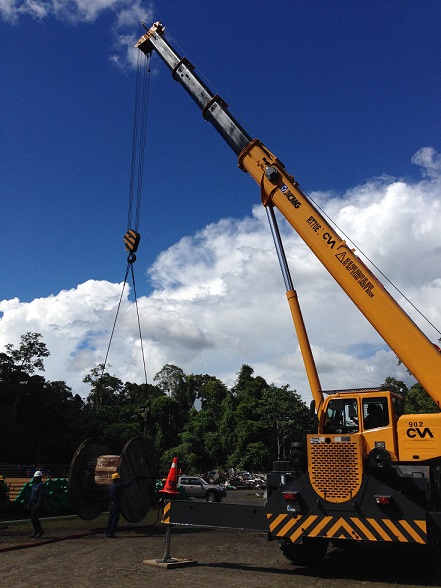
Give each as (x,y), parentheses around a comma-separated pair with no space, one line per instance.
(18,475)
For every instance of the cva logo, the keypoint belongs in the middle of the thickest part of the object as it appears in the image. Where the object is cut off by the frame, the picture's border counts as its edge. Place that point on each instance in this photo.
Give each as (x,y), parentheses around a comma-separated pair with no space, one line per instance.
(417,432)
(330,241)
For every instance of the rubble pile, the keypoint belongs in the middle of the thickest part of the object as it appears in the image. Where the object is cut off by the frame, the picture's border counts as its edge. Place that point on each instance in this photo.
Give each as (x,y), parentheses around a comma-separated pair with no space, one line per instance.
(234,480)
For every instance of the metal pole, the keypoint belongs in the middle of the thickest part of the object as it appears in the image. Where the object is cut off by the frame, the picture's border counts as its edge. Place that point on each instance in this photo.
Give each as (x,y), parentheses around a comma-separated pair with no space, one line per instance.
(167,544)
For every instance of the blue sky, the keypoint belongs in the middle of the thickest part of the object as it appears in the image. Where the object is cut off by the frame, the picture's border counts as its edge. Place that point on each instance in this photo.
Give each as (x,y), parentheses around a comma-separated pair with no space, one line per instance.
(346,94)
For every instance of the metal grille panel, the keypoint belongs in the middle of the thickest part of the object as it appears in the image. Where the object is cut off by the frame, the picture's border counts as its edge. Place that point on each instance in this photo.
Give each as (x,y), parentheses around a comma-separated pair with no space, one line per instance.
(335,466)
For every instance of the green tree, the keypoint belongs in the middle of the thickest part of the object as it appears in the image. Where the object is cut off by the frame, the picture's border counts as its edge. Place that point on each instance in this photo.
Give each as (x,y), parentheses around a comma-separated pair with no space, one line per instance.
(396,386)
(257,456)
(189,452)
(211,394)
(17,366)
(248,386)
(140,398)
(41,421)
(419,402)
(166,417)
(174,383)
(20,392)
(244,377)
(29,356)
(108,410)
(227,429)
(200,438)
(245,420)
(106,390)
(287,415)
(52,422)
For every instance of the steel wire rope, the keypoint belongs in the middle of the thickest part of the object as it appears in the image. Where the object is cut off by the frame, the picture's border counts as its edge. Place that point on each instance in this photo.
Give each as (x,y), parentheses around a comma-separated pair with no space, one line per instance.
(142,80)
(139,325)
(334,223)
(143,131)
(134,143)
(115,320)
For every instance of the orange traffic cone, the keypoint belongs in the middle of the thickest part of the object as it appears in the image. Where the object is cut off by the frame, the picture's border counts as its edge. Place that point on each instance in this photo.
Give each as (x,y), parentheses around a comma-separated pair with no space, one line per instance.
(171,484)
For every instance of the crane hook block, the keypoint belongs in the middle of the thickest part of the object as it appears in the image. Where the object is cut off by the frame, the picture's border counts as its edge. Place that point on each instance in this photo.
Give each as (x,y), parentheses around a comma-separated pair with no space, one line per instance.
(131,240)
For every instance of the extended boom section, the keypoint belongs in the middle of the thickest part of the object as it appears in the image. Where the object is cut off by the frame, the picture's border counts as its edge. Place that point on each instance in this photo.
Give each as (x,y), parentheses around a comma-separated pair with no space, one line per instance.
(214,109)
(279,189)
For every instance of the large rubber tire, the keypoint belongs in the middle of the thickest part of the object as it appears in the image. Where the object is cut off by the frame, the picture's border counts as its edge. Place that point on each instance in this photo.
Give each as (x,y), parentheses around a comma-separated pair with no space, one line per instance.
(309,553)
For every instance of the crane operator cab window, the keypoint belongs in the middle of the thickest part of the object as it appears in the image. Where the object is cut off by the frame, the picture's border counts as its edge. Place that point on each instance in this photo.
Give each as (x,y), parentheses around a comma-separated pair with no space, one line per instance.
(375,413)
(341,416)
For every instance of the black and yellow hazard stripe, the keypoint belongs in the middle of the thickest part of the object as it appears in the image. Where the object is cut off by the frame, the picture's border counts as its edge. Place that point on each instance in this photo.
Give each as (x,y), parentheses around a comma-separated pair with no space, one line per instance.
(131,240)
(166,513)
(350,527)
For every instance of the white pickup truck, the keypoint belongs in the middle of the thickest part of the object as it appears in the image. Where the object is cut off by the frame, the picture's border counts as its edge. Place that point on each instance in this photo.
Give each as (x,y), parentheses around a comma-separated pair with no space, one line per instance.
(197,487)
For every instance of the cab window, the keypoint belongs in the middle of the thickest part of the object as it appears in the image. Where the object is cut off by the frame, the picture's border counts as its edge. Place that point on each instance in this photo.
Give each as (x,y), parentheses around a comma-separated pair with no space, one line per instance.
(398,406)
(375,413)
(341,416)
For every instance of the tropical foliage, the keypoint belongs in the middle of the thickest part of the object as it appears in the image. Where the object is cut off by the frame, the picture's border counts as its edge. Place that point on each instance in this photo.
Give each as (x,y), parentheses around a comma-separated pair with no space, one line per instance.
(192,416)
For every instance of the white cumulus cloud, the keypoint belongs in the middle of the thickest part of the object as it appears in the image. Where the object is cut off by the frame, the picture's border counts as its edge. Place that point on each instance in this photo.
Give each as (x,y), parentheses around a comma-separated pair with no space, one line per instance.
(126,14)
(218,299)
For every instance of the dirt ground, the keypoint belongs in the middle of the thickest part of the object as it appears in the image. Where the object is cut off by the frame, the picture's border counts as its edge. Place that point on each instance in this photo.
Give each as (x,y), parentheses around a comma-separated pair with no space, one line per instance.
(77,553)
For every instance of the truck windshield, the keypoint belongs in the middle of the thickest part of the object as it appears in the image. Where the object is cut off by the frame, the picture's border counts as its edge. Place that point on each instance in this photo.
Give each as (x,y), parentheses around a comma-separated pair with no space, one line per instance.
(341,416)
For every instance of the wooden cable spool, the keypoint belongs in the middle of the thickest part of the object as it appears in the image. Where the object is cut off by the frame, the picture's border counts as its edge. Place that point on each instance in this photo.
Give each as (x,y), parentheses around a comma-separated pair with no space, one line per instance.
(91,472)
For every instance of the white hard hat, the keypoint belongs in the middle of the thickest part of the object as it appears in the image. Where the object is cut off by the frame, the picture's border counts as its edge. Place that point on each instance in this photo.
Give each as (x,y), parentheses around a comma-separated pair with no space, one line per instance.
(38,474)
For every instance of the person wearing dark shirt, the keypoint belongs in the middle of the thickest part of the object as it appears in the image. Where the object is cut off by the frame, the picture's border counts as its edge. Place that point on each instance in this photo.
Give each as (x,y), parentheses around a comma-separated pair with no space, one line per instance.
(115,489)
(374,417)
(36,504)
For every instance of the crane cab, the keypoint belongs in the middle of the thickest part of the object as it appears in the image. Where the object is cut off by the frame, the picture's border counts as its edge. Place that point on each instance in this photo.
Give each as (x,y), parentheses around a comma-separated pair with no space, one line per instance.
(370,414)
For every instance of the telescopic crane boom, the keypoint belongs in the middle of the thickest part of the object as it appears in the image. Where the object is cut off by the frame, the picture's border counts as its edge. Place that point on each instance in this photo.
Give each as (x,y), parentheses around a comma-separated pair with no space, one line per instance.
(370,473)
(279,189)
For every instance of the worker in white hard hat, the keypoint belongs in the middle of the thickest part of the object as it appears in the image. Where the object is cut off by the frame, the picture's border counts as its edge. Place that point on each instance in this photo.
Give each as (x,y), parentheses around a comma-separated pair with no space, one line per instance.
(115,503)
(36,504)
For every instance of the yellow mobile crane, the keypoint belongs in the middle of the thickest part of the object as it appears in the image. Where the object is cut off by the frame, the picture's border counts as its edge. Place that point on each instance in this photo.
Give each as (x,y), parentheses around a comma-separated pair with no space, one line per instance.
(370,473)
